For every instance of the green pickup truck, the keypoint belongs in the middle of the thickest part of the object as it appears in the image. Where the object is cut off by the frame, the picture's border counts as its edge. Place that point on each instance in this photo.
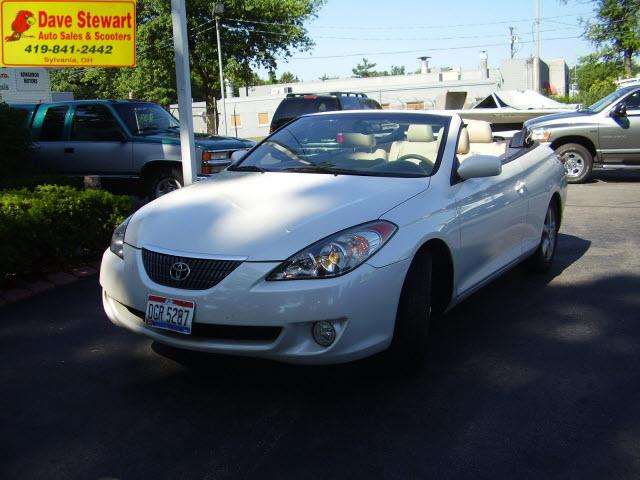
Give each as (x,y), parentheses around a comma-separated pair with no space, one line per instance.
(134,141)
(604,136)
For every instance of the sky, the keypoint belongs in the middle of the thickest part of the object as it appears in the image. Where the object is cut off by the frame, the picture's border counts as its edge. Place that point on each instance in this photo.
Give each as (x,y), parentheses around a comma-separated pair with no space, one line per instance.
(452,33)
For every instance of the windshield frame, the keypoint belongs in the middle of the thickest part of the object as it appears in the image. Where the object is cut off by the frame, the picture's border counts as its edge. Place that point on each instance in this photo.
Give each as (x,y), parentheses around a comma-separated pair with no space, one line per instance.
(322,169)
(610,99)
(126,111)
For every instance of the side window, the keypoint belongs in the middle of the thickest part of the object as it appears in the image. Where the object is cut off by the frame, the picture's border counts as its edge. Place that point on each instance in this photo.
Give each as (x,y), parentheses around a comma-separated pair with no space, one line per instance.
(633,101)
(53,124)
(351,103)
(94,123)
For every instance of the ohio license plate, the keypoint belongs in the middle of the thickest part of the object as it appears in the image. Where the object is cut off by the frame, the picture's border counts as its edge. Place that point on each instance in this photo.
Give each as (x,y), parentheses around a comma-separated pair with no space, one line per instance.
(169,314)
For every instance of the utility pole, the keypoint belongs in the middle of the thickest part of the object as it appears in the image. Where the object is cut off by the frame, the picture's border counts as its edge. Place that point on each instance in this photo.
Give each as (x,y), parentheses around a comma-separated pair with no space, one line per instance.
(536,65)
(219,10)
(512,42)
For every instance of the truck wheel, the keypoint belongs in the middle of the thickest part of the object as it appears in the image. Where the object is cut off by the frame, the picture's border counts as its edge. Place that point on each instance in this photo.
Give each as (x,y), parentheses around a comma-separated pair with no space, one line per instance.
(408,347)
(163,181)
(577,161)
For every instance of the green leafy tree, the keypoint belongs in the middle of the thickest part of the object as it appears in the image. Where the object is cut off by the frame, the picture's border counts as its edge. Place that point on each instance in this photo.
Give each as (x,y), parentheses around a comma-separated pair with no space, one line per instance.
(288,77)
(364,69)
(616,31)
(396,70)
(254,33)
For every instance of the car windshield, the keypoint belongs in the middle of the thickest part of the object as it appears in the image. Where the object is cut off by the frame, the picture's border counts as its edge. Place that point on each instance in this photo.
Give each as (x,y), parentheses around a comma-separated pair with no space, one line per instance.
(147,118)
(374,144)
(608,100)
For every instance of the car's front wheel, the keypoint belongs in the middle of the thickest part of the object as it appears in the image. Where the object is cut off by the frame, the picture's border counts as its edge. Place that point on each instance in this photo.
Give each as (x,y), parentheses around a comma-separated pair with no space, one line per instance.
(409,342)
(164,180)
(577,161)
(542,258)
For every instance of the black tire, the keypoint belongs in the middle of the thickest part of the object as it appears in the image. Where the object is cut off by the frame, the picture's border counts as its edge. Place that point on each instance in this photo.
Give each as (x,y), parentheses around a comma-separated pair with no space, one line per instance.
(577,161)
(542,258)
(408,347)
(162,181)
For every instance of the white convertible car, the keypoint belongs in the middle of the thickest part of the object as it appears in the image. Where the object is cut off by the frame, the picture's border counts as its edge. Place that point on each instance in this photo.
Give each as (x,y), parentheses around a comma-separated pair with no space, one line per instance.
(337,237)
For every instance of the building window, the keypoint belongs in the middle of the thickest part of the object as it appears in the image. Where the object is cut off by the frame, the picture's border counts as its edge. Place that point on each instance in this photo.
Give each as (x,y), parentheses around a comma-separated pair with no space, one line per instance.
(235,120)
(263,119)
(415,105)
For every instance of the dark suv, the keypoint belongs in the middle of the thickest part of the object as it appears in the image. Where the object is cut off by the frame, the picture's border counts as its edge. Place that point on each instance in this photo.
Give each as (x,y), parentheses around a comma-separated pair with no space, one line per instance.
(296,104)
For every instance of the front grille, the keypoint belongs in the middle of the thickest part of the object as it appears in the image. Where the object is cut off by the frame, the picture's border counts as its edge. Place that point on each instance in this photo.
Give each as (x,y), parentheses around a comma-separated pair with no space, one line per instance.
(204,273)
(222,332)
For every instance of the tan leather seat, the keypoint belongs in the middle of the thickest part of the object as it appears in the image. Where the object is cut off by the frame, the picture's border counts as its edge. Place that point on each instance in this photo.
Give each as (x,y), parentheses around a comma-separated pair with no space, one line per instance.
(420,141)
(363,142)
(479,138)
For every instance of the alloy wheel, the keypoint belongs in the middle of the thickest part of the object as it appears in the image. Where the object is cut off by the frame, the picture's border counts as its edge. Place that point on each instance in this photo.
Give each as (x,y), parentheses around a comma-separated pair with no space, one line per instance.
(574,164)
(549,234)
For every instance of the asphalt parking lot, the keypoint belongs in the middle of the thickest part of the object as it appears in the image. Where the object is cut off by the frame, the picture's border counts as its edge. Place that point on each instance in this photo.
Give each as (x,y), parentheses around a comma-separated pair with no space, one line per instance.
(532,377)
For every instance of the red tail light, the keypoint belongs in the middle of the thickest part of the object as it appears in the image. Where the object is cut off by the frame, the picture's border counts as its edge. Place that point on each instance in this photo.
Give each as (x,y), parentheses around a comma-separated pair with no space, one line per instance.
(340,138)
(310,97)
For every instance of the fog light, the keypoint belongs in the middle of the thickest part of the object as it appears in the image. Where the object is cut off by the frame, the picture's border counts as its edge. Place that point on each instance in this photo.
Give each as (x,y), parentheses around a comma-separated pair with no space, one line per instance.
(324,333)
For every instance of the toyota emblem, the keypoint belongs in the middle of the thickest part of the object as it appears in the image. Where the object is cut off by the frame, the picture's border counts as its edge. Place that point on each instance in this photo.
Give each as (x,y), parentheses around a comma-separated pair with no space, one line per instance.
(179,271)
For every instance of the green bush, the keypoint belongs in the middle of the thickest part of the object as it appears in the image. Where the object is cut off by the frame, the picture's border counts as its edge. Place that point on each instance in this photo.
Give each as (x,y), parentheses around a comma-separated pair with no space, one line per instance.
(15,158)
(50,226)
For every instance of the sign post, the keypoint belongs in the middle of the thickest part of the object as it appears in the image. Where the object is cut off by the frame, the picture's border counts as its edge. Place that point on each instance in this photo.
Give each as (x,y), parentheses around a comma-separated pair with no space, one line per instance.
(183,82)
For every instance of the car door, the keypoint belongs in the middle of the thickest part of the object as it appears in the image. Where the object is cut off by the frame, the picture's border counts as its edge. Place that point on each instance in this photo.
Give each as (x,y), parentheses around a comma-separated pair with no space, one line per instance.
(97,142)
(49,132)
(619,136)
(491,214)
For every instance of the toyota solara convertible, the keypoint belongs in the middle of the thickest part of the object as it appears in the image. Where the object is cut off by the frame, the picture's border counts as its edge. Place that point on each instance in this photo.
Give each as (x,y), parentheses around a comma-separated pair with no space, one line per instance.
(337,237)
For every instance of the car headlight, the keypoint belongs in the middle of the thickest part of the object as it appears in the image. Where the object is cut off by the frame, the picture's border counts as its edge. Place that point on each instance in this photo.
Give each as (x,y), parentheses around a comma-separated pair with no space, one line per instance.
(337,254)
(117,239)
(540,135)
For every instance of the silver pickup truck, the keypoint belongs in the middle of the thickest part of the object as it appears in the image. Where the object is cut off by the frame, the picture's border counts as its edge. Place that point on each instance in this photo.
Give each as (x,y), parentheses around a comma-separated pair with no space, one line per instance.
(126,140)
(604,136)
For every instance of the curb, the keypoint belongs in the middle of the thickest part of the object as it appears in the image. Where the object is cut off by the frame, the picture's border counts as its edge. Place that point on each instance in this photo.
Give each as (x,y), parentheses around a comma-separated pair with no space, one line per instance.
(53,280)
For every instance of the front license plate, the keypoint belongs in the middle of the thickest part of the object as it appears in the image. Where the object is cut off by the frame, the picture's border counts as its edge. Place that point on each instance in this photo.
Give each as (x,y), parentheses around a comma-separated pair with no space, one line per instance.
(169,314)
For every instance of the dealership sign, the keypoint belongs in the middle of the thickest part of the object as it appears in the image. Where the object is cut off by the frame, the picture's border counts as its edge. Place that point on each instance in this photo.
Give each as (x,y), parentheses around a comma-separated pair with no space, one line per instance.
(99,33)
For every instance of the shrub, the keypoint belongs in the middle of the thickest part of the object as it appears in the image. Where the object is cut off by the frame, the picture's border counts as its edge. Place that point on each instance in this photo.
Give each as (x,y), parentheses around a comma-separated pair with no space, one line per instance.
(51,226)
(15,158)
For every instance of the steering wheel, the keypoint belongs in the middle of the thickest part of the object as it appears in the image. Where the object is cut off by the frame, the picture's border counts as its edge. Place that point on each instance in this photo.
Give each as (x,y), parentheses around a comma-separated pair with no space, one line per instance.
(420,158)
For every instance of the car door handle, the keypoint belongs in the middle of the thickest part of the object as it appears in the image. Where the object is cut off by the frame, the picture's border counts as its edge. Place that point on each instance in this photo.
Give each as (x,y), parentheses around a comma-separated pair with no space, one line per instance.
(521,187)
(69,150)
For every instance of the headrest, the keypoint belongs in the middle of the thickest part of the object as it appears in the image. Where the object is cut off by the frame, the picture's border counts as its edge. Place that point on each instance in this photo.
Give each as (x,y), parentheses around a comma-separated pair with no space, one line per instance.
(463,142)
(359,140)
(420,133)
(479,132)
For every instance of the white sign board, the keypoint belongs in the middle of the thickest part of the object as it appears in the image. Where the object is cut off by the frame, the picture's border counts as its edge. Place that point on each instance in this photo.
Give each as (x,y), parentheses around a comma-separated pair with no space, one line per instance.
(24,85)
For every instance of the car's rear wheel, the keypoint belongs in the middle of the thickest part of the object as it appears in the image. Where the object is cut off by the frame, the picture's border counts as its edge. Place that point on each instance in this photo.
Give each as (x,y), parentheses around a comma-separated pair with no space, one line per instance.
(409,343)
(577,161)
(542,258)
(164,180)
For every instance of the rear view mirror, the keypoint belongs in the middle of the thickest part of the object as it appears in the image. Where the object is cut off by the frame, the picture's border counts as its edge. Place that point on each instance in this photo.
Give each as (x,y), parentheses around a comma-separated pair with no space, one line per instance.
(477,166)
(237,156)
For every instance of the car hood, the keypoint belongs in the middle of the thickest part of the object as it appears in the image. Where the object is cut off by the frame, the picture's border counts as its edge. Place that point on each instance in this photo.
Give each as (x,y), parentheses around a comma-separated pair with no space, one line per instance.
(264,216)
(577,116)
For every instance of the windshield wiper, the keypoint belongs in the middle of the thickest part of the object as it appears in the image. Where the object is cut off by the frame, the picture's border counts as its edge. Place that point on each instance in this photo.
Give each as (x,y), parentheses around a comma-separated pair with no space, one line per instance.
(247,168)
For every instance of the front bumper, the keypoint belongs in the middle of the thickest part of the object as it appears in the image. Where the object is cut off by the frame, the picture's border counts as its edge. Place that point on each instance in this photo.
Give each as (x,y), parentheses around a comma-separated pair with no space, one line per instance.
(362,306)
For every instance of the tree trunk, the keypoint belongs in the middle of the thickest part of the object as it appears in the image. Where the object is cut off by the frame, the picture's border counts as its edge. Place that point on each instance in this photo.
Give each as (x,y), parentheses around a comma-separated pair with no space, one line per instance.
(628,63)
(213,122)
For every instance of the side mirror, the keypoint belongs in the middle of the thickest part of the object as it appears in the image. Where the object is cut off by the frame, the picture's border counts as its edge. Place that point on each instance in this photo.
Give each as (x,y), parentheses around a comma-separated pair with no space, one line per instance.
(477,166)
(620,110)
(237,156)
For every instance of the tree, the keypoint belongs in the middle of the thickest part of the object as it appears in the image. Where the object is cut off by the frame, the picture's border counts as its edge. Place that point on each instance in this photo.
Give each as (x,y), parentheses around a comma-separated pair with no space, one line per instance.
(364,69)
(395,70)
(616,31)
(254,33)
(288,77)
